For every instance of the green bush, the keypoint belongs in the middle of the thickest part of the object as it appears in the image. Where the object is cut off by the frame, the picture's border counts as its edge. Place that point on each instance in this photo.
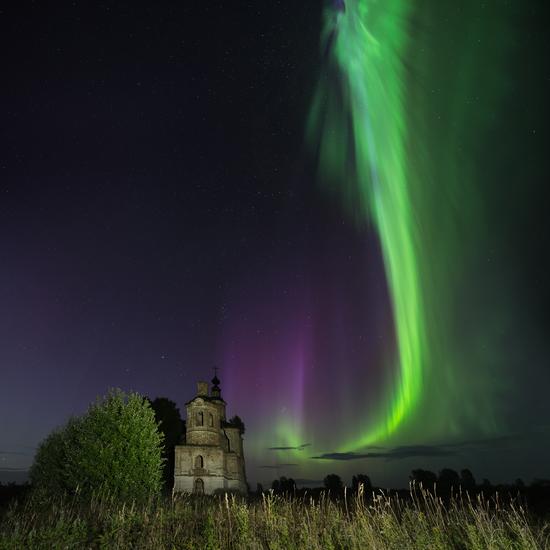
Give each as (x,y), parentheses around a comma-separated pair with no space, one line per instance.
(114,448)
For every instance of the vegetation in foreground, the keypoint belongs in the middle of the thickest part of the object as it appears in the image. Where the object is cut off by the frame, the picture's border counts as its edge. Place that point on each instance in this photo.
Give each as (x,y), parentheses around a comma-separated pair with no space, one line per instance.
(115,448)
(96,483)
(274,522)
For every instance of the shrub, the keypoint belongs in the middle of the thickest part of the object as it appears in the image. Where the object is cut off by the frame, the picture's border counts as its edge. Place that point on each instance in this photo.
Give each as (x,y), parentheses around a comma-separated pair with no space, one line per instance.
(114,448)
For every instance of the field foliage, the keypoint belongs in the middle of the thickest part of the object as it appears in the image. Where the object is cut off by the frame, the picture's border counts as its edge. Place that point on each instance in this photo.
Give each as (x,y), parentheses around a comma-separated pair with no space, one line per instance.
(274,522)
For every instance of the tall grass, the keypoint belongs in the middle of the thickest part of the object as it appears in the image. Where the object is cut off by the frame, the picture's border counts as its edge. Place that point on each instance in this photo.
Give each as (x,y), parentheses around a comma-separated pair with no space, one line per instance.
(421,522)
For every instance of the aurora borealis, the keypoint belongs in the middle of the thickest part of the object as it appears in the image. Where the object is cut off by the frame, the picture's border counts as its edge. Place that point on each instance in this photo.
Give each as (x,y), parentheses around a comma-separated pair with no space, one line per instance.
(369,120)
(397,146)
(342,205)
(363,147)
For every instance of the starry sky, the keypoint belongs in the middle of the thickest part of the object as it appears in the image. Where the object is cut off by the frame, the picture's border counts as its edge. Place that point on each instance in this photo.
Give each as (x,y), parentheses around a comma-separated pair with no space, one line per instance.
(162,212)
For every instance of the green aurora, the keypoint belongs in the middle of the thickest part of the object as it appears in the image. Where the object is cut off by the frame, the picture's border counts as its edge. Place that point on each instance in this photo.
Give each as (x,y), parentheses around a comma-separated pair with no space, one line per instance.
(397,134)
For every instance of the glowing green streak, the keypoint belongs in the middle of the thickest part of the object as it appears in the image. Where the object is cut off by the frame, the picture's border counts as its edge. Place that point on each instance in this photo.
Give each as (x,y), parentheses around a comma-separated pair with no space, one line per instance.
(399,120)
(362,142)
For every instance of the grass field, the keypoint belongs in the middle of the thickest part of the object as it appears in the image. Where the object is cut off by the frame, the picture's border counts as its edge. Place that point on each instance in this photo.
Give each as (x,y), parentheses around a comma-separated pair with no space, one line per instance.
(274,522)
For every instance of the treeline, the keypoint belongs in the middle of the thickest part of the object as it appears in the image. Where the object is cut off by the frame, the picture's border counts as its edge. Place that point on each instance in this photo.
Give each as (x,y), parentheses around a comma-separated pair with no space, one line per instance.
(446,484)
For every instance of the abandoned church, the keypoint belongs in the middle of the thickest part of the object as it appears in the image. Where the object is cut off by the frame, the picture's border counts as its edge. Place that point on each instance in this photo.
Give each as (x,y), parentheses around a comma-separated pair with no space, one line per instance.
(212,457)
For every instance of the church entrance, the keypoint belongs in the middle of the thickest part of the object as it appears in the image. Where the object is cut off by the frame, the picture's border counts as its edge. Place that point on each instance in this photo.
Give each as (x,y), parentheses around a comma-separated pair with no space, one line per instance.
(199,487)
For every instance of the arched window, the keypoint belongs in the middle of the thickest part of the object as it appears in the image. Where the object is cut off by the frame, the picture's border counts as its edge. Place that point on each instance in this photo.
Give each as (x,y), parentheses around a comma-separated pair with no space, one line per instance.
(199,462)
(211,420)
(198,488)
(200,419)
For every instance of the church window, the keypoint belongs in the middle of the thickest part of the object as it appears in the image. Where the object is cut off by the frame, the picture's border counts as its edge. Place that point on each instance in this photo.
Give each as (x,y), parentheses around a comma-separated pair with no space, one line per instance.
(200,419)
(211,421)
(199,462)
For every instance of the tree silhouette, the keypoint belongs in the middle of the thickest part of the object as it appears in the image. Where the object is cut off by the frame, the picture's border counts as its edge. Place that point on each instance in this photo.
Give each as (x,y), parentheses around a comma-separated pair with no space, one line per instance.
(486,484)
(544,483)
(426,478)
(284,485)
(361,479)
(467,480)
(448,479)
(171,426)
(333,483)
(236,422)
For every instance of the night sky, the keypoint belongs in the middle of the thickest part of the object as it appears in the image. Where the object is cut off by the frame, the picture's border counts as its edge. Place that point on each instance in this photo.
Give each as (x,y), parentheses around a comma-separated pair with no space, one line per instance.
(161,212)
